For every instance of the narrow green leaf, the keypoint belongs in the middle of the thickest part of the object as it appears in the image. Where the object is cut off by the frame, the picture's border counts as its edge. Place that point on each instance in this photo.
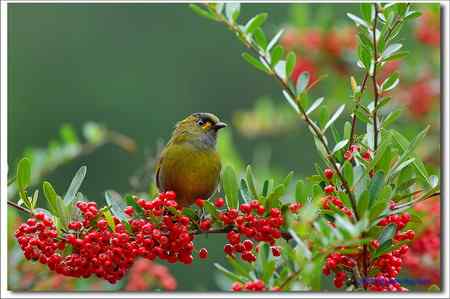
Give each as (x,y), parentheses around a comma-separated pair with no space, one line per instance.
(51,196)
(275,39)
(273,200)
(232,10)
(376,184)
(302,82)
(109,219)
(287,180)
(291,101)
(340,145)
(201,12)
(251,182)
(290,63)
(387,234)
(305,250)
(300,192)
(244,190)
(117,204)
(230,187)
(367,12)
(211,209)
(75,185)
(392,117)
(254,62)
(229,274)
(280,69)
(266,187)
(314,105)
(23,175)
(390,83)
(358,21)
(334,117)
(255,22)
(276,55)
(260,38)
(396,56)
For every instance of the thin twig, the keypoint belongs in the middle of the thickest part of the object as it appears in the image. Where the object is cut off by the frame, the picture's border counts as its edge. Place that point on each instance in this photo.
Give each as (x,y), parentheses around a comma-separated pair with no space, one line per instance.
(353,130)
(290,278)
(310,123)
(374,80)
(20,208)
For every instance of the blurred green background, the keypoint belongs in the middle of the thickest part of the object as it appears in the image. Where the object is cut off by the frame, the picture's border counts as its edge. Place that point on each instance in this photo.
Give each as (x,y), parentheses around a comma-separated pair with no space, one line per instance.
(138,69)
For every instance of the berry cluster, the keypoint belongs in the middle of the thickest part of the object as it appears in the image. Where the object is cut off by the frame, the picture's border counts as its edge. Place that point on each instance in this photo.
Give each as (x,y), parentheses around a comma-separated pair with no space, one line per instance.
(255,286)
(255,223)
(387,266)
(92,246)
(146,274)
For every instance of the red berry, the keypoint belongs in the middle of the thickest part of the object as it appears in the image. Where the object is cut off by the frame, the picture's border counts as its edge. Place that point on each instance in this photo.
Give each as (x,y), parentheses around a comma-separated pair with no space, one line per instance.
(205,225)
(171,195)
(329,189)
(220,202)
(199,202)
(328,173)
(129,211)
(40,216)
(228,249)
(348,155)
(248,245)
(375,244)
(276,251)
(294,207)
(367,155)
(203,253)
(245,208)
(236,286)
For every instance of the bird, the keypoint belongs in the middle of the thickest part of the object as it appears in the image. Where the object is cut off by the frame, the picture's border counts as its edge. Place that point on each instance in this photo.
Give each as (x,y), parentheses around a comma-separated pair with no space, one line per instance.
(189,164)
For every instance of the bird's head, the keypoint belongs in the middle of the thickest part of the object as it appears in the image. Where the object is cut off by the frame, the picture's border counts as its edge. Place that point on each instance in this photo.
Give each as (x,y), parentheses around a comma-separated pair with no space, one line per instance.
(200,127)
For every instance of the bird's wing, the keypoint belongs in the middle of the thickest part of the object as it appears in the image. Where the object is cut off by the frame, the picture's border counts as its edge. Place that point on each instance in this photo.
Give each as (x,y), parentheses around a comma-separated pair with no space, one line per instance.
(158,167)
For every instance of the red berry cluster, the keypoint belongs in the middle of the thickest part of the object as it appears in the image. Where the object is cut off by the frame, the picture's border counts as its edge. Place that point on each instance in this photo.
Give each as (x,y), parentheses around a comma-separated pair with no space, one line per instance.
(255,286)
(338,263)
(142,270)
(108,250)
(255,223)
(330,199)
(387,266)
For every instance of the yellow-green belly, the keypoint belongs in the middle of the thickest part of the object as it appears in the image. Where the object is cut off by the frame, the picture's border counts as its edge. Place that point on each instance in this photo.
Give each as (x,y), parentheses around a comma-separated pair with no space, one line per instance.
(190,172)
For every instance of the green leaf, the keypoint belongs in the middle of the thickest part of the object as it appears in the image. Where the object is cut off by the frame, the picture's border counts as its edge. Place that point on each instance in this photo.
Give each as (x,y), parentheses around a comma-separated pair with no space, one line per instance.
(287,180)
(242,268)
(244,190)
(347,171)
(290,63)
(375,186)
(280,69)
(51,196)
(302,246)
(377,209)
(229,274)
(273,200)
(300,192)
(117,204)
(263,256)
(260,38)
(230,187)
(23,175)
(365,55)
(254,62)
(68,134)
(367,12)
(392,117)
(75,185)
(363,203)
(255,22)
(211,209)
(266,187)
(340,145)
(358,21)
(131,201)
(314,105)
(412,15)
(277,53)
(390,83)
(387,234)
(251,182)
(334,117)
(275,39)
(396,56)
(302,82)
(390,50)
(232,10)
(201,12)
(109,219)
(291,101)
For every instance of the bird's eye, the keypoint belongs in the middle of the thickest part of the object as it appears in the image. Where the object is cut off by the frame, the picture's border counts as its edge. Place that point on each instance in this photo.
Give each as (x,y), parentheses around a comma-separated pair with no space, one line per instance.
(200,122)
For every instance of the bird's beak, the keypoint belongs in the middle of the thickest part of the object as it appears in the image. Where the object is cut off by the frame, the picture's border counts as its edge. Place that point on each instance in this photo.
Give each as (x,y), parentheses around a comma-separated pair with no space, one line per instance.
(220,125)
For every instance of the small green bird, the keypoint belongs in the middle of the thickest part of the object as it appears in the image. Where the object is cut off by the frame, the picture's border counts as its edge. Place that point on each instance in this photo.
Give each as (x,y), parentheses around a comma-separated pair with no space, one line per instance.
(190,164)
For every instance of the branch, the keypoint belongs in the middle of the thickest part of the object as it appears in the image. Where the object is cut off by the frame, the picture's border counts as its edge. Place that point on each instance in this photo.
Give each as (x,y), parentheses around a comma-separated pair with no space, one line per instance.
(317,132)
(374,80)
(20,208)
(290,278)
(353,130)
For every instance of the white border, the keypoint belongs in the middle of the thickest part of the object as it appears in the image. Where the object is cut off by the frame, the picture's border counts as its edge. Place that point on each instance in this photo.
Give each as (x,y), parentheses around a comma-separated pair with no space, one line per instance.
(445,174)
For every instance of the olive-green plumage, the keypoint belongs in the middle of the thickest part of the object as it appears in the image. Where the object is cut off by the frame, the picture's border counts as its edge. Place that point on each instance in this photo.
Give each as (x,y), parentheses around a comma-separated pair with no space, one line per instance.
(190,164)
